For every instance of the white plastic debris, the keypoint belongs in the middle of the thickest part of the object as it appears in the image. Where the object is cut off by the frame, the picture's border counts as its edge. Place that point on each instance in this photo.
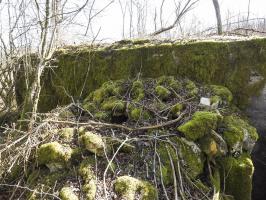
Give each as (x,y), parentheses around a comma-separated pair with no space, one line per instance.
(205,101)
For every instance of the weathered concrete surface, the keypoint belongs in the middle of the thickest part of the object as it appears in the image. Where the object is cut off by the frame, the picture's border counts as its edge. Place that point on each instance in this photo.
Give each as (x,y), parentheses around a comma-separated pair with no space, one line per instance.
(80,70)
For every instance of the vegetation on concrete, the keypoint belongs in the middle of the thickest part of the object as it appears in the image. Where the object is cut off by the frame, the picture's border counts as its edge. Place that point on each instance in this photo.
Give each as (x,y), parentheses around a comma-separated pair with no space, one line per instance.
(135,139)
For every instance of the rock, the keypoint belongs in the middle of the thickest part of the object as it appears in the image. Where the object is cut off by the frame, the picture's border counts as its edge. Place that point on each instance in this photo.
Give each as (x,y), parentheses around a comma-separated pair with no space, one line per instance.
(54,155)
(187,152)
(237,174)
(67,193)
(202,123)
(237,132)
(93,143)
(127,187)
(191,156)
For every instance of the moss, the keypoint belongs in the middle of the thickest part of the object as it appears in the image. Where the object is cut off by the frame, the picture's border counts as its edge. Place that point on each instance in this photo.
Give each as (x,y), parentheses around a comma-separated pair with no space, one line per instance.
(192,157)
(224,93)
(176,109)
(215,99)
(114,105)
(136,113)
(237,173)
(192,88)
(90,107)
(138,90)
(93,143)
(202,123)
(67,134)
(43,180)
(127,187)
(235,130)
(169,81)
(90,189)
(108,89)
(89,178)
(209,146)
(224,63)
(54,155)
(162,92)
(86,169)
(103,116)
(188,153)
(67,193)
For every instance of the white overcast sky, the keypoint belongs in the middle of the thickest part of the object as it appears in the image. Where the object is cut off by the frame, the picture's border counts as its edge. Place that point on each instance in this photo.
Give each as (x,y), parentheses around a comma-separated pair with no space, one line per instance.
(110,21)
(203,14)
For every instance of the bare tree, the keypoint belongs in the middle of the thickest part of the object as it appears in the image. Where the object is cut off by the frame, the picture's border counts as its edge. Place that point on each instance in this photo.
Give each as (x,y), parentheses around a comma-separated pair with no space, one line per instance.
(33,30)
(218,16)
(123,9)
(181,10)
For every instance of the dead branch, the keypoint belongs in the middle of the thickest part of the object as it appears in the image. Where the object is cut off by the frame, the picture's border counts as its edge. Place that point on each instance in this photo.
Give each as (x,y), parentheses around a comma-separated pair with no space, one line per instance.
(181,11)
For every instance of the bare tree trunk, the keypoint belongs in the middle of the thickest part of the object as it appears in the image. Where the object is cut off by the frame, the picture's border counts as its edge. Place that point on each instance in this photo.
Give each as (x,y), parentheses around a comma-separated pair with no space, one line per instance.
(218,16)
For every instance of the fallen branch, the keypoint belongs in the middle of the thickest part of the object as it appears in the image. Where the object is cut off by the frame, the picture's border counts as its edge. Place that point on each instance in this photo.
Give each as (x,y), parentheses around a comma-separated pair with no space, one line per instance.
(94,123)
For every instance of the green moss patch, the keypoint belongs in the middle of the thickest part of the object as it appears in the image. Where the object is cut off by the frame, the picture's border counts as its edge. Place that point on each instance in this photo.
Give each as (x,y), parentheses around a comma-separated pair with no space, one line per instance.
(236,131)
(201,124)
(93,143)
(224,93)
(54,155)
(67,193)
(237,173)
(127,187)
(162,92)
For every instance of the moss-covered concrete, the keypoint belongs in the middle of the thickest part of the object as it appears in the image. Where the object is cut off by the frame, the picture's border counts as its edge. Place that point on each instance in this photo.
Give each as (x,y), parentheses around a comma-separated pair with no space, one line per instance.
(237,175)
(83,69)
(201,124)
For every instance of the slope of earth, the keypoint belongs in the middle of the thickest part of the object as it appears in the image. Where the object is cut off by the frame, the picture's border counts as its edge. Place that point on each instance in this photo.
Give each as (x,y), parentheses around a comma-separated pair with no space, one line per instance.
(134,139)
